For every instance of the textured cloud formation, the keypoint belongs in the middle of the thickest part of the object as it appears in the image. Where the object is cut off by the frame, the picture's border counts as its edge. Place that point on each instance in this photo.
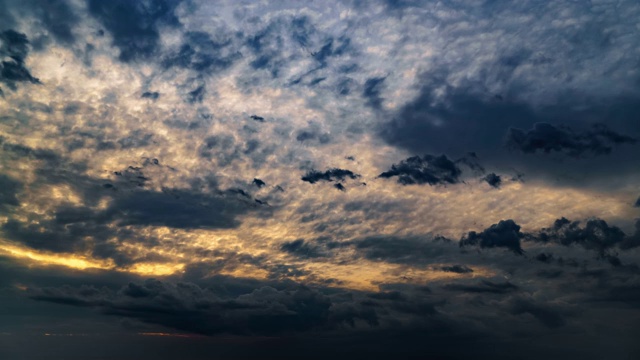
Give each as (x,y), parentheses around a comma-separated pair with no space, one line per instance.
(186,306)
(429,169)
(14,50)
(506,234)
(168,177)
(314,176)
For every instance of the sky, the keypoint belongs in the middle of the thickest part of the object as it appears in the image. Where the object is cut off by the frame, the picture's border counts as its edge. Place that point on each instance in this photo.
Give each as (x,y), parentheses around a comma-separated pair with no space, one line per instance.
(351,179)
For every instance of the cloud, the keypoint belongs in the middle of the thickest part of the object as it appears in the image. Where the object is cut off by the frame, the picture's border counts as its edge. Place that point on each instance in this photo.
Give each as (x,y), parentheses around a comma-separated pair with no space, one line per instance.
(300,248)
(547,315)
(13,51)
(505,234)
(131,202)
(204,54)
(188,307)
(257,182)
(140,155)
(134,26)
(484,286)
(544,257)
(493,180)
(153,95)
(175,208)
(330,175)
(547,138)
(257,118)
(429,169)
(632,241)
(58,17)
(460,269)
(8,190)
(418,251)
(595,235)
(372,91)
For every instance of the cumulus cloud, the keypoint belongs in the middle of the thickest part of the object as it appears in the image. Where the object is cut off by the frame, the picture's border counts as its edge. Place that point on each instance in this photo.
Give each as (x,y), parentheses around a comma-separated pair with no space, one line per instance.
(595,235)
(429,169)
(505,234)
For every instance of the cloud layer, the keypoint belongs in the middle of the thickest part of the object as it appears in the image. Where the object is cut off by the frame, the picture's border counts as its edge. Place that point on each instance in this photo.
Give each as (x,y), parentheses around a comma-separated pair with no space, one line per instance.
(170,167)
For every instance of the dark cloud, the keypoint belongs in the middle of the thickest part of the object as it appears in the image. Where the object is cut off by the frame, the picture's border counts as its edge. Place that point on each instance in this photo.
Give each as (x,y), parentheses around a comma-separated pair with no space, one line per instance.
(136,139)
(9,188)
(418,251)
(175,208)
(196,95)
(284,40)
(300,248)
(549,274)
(460,123)
(132,204)
(454,120)
(493,180)
(460,269)
(335,174)
(49,238)
(188,307)
(313,134)
(637,203)
(372,90)
(203,53)
(632,241)
(471,161)
(345,86)
(153,95)
(259,183)
(429,169)
(317,81)
(267,44)
(134,26)
(333,47)
(544,257)
(13,51)
(595,235)
(484,286)
(58,17)
(222,148)
(547,315)
(548,138)
(505,234)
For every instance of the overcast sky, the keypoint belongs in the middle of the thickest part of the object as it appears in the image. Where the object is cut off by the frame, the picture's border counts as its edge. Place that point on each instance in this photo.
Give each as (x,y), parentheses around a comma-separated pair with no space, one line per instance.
(351,179)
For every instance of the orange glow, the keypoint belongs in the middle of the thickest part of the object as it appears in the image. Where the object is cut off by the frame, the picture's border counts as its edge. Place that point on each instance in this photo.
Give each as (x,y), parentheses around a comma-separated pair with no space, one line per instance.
(67,260)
